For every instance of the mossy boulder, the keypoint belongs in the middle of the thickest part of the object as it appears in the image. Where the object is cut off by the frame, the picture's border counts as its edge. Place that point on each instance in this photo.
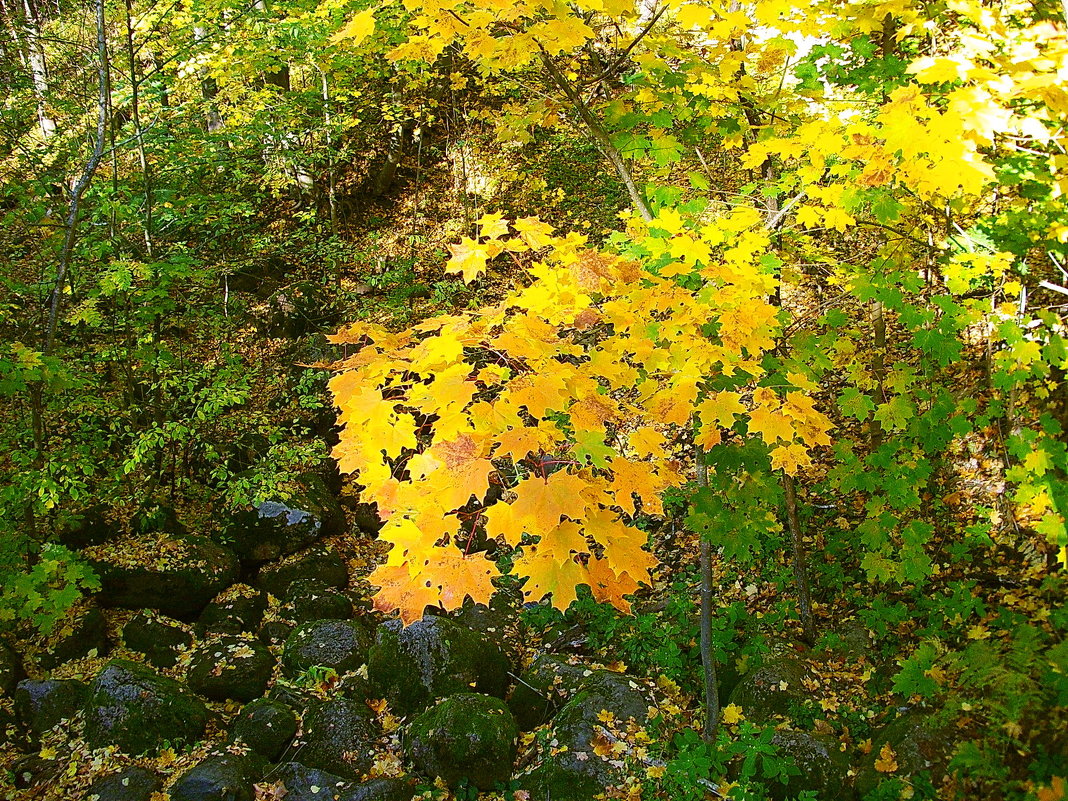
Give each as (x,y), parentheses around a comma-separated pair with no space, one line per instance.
(433,658)
(381,790)
(343,645)
(338,736)
(266,726)
(771,689)
(40,705)
(302,783)
(821,767)
(220,777)
(134,708)
(82,632)
(228,666)
(316,563)
(84,528)
(174,574)
(311,599)
(236,609)
(549,683)
(467,736)
(276,528)
(577,770)
(917,744)
(132,784)
(160,640)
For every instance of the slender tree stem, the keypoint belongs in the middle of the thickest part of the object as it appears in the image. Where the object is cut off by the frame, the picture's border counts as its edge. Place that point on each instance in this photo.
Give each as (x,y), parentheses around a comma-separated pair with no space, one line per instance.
(708,657)
(804,595)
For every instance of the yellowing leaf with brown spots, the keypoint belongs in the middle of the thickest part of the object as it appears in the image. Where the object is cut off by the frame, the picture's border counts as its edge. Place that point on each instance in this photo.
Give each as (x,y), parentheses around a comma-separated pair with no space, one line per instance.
(886,762)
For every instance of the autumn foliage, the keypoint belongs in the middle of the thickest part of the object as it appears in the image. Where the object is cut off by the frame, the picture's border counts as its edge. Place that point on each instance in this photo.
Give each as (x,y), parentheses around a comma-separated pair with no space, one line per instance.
(551,420)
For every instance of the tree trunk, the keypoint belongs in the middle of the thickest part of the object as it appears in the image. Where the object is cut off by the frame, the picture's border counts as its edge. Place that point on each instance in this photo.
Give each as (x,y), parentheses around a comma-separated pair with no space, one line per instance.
(38,66)
(708,656)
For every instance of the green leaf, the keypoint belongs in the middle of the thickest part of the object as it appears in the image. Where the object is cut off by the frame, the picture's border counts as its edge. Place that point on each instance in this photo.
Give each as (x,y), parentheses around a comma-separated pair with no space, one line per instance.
(855,404)
(895,415)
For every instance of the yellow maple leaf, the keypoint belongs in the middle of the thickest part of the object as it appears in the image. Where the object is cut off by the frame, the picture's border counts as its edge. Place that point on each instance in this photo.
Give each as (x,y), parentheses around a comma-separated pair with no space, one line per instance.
(469,257)
(492,226)
(790,458)
(771,425)
(886,762)
(356,29)
(608,586)
(721,408)
(547,576)
(732,713)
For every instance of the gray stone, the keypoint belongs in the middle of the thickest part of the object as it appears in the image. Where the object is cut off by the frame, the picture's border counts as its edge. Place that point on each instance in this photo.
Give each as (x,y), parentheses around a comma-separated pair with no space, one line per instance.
(338,736)
(132,784)
(174,574)
(433,658)
(266,726)
(771,689)
(229,666)
(339,644)
(40,705)
(318,563)
(467,736)
(132,707)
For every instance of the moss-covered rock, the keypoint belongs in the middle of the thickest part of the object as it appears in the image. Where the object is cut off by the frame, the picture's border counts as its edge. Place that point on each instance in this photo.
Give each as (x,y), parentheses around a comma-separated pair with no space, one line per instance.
(821,767)
(467,736)
(11,671)
(918,746)
(381,790)
(544,687)
(174,574)
(266,726)
(276,528)
(230,666)
(224,777)
(40,705)
(343,645)
(338,736)
(237,609)
(317,563)
(131,784)
(311,599)
(82,632)
(302,783)
(160,640)
(134,708)
(771,688)
(433,658)
(575,770)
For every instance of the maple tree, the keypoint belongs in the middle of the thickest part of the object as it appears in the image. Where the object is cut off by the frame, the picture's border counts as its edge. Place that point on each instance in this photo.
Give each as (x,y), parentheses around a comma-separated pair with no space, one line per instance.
(563,398)
(703,303)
